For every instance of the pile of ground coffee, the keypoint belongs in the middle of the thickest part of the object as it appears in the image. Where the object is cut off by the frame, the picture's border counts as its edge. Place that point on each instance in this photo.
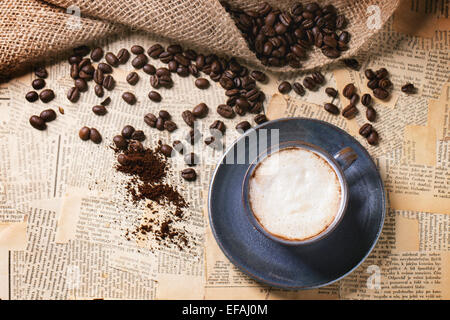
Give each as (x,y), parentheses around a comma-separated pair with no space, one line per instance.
(148,170)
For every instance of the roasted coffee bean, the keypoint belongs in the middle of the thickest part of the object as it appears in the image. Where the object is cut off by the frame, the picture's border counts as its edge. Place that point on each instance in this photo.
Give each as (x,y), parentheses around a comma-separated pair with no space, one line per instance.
(150,119)
(380,93)
(81,50)
(74,59)
(318,77)
(112,59)
(166,150)
(74,71)
(178,146)
(97,54)
(135,146)
(349,111)
(109,82)
(225,111)
(188,117)
(258,76)
(373,84)
(95,136)
(120,142)
(136,49)
(190,54)
(331,108)
(242,103)
(38,123)
(373,138)
(284,87)
(81,84)
(202,83)
(165,81)
(366,100)
(149,69)
(127,131)
(47,95)
(106,102)
(132,78)
(106,68)
(99,92)
(298,88)
(243,126)
(154,81)
(99,110)
(191,159)
(182,60)
(172,66)
(165,57)
(38,84)
(170,126)
(331,92)
(217,126)
(309,83)
(408,88)
(354,99)
(351,63)
(83,63)
(226,82)
(260,118)
(349,90)
(330,52)
(129,98)
(193,70)
(160,124)
(138,135)
(174,48)
(381,73)
(32,96)
(41,72)
(84,133)
(99,76)
(371,114)
(139,61)
(193,136)
(370,75)
(123,159)
(252,95)
(48,115)
(189,174)
(155,50)
(164,114)
(365,130)
(345,38)
(85,76)
(154,96)
(162,72)
(88,69)
(200,110)
(384,83)
(210,141)
(182,71)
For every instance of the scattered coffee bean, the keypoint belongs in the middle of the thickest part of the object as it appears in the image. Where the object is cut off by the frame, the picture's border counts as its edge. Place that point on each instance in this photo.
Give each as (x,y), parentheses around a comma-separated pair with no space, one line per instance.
(370,75)
(81,51)
(123,159)
(154,96)
(366,100)
(112,59)
(99,92)
(150,119)
(371,114)
(32,96)
(349,111)
(298,88)
(41,72)
(97,54)
(349,90)
(47,95)
(166,150)
(106,102)
(155,50)
(170,125)
(191,159)
(200,111)
(373,138)
(331,92)
(132,78)
(381,73)
(318,77)
(106,68)
(127,131)
(120,142)
(243,126)
(38,84)
(202,83)
(84,133)
(48,115)
(138,135)
(409,88)
(331,108)
(160,124)
(135,146)
(164,114)
(188,117)
(373,84)
(99,110)
(74,60)
(139,61)
(81,84)
(284,87)
(189,174)
(217,126)
(309,83)
(38,123)
(109,83)
(354,99)
(149,69)
(129,98)
(380,93)
(365,130)
(95,136)
(352,64)
(384,83)
(225,111)
(258,76)
(260,118)
(136,49)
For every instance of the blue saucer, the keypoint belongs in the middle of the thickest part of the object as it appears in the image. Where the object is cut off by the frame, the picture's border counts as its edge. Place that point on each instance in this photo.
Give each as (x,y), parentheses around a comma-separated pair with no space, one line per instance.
(297,267)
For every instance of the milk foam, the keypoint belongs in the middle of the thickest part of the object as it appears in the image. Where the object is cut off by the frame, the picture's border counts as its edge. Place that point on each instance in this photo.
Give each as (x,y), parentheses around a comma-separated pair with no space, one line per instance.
(294,193)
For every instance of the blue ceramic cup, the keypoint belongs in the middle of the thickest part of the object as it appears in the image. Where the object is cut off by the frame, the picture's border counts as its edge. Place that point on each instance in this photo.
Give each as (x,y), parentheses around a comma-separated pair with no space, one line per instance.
(339,162)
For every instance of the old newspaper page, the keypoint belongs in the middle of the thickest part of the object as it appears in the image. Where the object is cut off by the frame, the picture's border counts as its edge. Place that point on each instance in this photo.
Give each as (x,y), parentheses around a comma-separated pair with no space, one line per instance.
(63,218)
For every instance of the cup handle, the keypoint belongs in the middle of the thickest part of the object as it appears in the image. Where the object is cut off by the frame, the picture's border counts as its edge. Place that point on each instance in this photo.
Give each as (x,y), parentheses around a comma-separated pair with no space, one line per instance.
(345,157)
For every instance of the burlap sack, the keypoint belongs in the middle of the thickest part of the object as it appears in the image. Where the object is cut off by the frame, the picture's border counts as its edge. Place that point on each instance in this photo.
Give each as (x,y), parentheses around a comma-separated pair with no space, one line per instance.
(30,29)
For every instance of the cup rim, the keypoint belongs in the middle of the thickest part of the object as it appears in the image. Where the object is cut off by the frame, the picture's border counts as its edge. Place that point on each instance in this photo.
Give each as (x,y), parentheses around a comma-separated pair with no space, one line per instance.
(325,156)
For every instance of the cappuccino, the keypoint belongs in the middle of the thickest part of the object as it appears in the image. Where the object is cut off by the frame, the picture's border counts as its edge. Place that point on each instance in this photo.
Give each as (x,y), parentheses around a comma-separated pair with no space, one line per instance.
(294,193)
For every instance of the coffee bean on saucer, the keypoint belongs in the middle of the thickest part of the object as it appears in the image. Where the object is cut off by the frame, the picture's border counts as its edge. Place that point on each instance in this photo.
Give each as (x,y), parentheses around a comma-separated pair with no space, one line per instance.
(47,95)
(189,174)
(132,78)
(154,96)
(37,123)
(284,87)
(120,142)
(331,108)
(38,84)
(99,110)
(127,131)
(84,133)
(48,115)
(32,96)
(129,98)
(95,136)
(202,83)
